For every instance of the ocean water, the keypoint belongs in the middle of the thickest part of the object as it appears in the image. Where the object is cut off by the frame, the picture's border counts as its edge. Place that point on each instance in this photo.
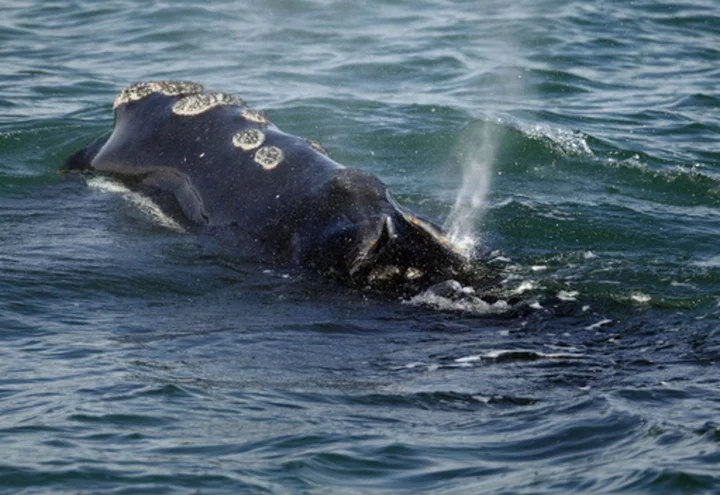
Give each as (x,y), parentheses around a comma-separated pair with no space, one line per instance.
(581,143)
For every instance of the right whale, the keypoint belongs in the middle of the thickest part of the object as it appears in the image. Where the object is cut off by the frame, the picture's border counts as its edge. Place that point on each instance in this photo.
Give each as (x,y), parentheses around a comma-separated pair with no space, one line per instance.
(211,162)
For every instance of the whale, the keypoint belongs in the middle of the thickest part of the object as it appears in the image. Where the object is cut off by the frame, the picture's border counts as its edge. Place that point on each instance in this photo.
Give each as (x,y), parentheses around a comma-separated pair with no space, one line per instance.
(215,164)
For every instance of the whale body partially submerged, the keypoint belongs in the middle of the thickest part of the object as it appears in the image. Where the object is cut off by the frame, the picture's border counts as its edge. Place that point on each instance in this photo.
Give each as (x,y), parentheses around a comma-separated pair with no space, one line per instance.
(212,163)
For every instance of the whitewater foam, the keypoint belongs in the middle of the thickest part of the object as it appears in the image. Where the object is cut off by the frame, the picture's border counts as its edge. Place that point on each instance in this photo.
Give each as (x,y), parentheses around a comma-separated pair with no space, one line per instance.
(453,296)
(564,141)
(142,203)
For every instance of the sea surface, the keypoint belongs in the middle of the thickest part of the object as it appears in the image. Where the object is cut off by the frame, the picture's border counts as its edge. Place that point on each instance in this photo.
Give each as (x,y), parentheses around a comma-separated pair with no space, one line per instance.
(575,143)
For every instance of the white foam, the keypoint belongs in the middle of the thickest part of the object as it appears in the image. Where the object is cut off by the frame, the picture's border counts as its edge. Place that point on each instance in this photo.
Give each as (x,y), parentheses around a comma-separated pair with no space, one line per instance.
(712,262)
(525,286)
(495,354)
(675,283)
(466,302)
(641,298)
(632,162)
(143,203)
(568,295)
(469,359)
(567,142)
(599,324)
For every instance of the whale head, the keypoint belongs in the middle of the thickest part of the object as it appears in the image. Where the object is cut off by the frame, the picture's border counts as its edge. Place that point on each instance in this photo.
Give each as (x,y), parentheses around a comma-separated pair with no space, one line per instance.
(362,236)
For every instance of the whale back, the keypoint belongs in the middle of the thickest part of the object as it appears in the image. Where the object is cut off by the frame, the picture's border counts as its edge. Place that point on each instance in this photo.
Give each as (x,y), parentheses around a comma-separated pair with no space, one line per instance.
(217,163)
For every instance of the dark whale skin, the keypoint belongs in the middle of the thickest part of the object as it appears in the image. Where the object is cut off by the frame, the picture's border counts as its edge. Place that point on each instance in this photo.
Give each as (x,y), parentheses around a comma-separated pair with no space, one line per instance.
(212,163)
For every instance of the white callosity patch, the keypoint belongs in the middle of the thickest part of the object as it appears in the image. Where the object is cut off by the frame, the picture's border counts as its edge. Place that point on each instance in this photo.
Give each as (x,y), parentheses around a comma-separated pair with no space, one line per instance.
(317,146)
(141,90)
(269,157)
(199,103)
(435,233)
(256,116)
(413,273)
(248,139)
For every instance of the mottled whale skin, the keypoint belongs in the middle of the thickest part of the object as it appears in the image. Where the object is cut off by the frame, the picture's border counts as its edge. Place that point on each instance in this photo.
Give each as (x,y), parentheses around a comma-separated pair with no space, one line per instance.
(213,163)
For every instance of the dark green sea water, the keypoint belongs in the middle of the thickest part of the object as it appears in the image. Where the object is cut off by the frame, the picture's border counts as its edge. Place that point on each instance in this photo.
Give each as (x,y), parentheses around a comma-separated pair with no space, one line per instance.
(137,358)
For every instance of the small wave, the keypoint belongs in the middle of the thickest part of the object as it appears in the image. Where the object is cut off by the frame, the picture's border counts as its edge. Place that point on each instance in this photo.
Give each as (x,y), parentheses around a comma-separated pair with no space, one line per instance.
(711,262)
(508,144)
(563,141)
(601,323)
(697,100)
(695,182)
(143,203)
(502,355)
(523,145)
(497,356)
(443,400)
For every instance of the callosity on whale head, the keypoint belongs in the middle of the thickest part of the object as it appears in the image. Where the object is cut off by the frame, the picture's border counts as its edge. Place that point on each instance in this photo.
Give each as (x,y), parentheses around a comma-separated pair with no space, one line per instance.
(212,162)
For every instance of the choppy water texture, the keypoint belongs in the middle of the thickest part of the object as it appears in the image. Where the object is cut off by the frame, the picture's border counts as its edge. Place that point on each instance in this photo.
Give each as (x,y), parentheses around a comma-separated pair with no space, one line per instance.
(137,358)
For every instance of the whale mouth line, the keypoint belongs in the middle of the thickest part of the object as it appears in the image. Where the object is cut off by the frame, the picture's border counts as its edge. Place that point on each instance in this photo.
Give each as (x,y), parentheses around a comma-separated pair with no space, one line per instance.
(367,257)
(404,249)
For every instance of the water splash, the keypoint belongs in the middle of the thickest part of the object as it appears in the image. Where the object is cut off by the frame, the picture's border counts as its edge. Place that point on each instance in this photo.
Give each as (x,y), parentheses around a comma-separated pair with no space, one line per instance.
(478,154)
(143,203)
(451,295)
(560,140)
